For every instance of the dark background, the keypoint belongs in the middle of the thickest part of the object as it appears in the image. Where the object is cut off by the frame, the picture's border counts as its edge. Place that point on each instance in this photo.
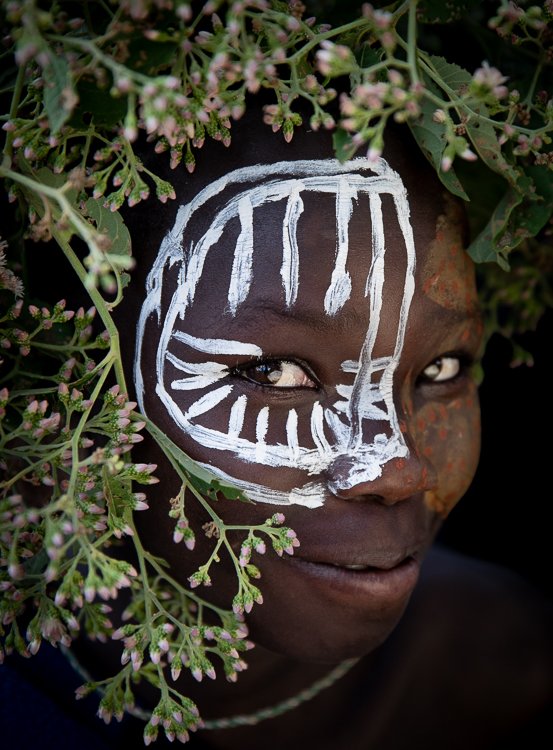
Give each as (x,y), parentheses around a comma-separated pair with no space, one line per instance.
(506,515)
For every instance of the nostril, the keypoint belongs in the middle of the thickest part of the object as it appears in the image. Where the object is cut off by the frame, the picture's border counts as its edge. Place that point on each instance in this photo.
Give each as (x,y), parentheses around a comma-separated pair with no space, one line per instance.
(347,472)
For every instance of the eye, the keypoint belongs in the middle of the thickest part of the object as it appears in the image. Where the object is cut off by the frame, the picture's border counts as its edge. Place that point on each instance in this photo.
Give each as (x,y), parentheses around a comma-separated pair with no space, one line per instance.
(443,369)
(276,373)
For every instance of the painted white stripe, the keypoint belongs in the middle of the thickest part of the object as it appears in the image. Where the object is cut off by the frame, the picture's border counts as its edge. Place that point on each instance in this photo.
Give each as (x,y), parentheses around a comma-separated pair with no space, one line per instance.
(323,176)
(261,427)
(217,346)
(208,402)
(292,435)
(197,368)
(350,365)
(377,238)
(363,386)
(195,382)
(202,374)
(196,259)
(241,275)
(339,428)
(309,459)
(318,433)
(339,290)
(344,390)
(236,419)
(290,255)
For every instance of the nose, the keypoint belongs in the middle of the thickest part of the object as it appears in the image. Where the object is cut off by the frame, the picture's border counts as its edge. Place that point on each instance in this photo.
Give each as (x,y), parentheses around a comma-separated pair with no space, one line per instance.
(358,477)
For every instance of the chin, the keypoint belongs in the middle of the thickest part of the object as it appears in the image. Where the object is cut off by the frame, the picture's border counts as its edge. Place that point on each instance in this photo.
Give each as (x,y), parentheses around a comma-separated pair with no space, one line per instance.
(330,615)
(324,644)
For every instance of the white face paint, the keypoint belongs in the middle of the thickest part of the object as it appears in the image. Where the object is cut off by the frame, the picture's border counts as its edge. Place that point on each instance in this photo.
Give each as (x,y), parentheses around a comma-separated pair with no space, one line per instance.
(336,431)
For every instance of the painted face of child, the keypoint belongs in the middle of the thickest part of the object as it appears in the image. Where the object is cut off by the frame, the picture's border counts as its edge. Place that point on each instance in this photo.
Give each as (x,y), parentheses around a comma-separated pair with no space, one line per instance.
(307,335)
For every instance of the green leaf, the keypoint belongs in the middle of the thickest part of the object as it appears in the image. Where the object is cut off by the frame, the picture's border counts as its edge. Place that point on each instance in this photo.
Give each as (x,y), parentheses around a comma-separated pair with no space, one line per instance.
(521,213)
(483,135)
(203,479)
(438,11)
(59,95)
(484,138)
(431,139)
(344,147)
(45,176)
(152,56)
(542,210)
(110,223)
(454,76)
(106,111)
(367,56)
(486,247)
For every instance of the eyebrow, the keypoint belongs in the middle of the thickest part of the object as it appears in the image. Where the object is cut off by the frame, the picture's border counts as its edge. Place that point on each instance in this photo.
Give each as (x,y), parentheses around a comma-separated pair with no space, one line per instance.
(321,322)
(318,321)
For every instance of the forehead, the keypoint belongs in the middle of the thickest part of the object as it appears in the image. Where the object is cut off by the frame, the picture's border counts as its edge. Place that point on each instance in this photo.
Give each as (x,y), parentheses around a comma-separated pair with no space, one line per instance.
(283,218)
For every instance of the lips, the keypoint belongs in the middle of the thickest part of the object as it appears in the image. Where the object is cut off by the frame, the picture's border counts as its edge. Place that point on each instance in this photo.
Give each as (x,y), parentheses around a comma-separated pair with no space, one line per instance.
(368,557)
(363,566)
(383,562)
(361,585)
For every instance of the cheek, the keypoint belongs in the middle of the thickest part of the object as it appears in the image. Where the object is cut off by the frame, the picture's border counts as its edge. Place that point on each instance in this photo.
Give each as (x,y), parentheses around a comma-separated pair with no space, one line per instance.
(448,436)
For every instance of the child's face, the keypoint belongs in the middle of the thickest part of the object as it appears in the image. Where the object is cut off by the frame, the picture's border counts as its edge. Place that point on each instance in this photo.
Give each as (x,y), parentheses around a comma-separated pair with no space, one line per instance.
(313,347)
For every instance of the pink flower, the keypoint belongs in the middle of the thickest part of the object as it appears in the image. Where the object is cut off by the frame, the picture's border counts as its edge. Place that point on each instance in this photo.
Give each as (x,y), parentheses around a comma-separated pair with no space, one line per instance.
(491,79)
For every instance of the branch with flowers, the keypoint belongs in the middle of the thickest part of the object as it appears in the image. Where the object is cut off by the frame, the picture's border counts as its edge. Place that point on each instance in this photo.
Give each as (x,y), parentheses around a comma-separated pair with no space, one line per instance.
(78,91)
(68,498)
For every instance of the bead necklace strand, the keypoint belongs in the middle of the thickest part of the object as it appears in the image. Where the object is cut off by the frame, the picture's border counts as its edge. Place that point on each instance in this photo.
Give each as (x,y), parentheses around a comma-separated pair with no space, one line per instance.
(242,719)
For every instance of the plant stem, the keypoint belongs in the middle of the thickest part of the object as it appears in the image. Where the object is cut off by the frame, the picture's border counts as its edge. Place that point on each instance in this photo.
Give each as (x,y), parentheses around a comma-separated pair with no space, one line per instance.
(412,41)
(531,89)
(102,308)
(18,88)
(326,35)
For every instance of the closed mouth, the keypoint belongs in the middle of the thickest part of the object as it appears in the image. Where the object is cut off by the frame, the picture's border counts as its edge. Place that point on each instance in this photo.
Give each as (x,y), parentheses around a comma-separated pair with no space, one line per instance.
(380,566)
(360,585)
(374,568)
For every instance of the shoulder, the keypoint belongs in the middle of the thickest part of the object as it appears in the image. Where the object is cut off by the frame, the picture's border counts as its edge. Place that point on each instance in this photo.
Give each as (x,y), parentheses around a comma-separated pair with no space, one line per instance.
(486,637)
(459,591)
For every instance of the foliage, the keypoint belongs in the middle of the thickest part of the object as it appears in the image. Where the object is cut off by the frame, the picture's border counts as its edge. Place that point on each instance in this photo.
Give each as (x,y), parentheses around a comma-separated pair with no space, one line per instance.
(80,81)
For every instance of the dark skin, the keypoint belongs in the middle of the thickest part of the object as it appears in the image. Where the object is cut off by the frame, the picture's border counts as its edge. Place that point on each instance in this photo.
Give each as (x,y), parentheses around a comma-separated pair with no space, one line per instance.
(442,677)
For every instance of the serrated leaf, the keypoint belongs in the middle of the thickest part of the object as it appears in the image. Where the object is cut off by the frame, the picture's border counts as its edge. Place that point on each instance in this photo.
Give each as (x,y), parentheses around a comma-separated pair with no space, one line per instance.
(368,56)
(521,213)
(483,135)
(453,75)
(59,95)
(543,209)
(110,223)
(430,137)
(485,247)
